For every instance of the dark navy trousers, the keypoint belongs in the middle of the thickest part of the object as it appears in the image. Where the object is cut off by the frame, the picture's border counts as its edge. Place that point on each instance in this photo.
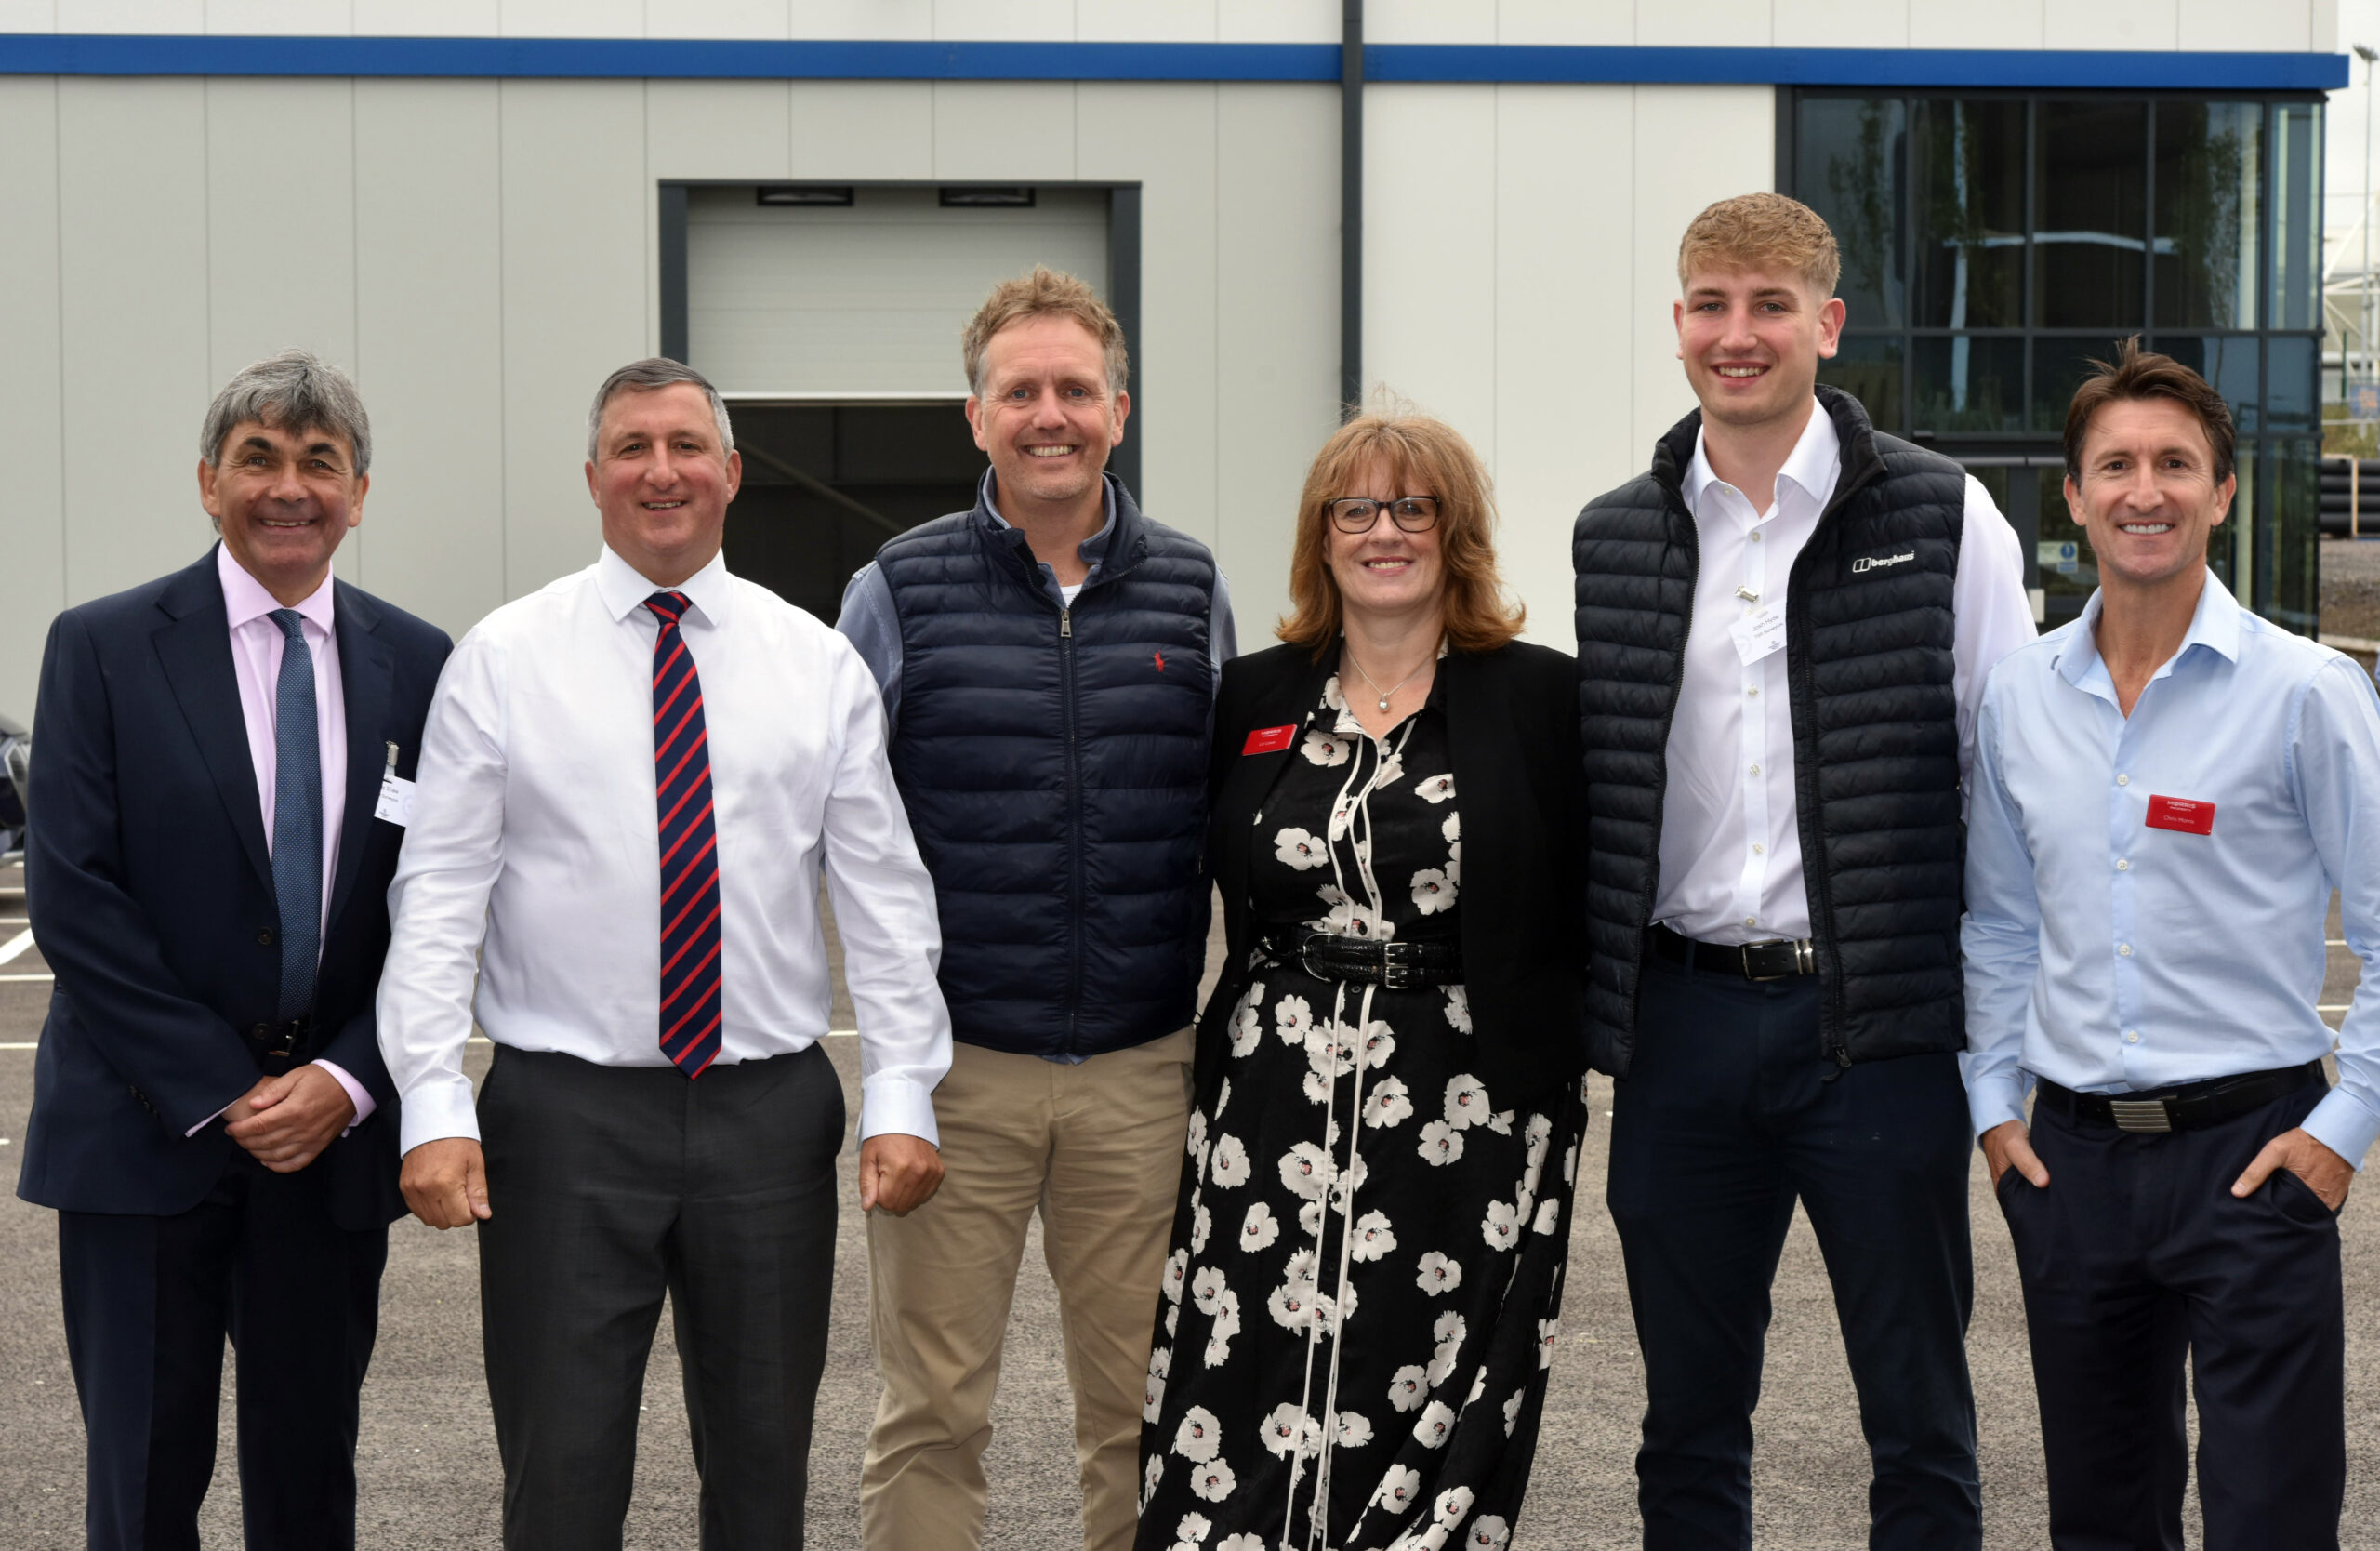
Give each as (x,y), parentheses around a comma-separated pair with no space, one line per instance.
(147,1303)
(2135,1254)
(1729,1114)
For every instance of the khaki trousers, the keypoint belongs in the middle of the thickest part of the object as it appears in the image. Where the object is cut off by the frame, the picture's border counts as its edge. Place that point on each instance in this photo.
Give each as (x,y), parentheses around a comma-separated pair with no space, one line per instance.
(1097,1148)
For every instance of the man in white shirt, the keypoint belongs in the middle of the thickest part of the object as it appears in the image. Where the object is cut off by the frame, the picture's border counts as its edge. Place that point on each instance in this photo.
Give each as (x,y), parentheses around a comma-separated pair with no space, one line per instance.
(1784,629)
(630,780)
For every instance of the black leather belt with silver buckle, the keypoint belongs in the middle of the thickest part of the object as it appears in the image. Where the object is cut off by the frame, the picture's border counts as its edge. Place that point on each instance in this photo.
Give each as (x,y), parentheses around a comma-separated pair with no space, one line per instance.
(2190,1106)
(1773,959)
(1391,965)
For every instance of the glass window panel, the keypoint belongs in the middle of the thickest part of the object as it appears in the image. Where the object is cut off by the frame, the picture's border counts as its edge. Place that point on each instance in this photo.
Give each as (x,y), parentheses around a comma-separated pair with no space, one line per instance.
(2059,367)
(2227,361)
(1869,369)
(2209,210)
(2290,390)
(2288,539)
(2232,552)
(1848,155)
(2091,214)
(1969,213)
(2064,590)
(2298,199)
(1968,384)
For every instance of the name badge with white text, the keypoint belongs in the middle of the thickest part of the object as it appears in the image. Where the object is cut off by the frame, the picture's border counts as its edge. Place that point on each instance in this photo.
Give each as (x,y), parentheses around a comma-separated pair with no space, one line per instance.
(1759,633)
(396,800)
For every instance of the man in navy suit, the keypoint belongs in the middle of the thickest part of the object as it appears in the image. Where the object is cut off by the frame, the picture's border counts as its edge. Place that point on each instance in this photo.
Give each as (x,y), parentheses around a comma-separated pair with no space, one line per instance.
(218,801)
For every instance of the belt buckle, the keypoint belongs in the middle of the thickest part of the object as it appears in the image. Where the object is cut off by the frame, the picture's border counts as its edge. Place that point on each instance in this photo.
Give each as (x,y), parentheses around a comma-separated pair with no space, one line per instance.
(1394,971)
(2144,1115)
(1305,956)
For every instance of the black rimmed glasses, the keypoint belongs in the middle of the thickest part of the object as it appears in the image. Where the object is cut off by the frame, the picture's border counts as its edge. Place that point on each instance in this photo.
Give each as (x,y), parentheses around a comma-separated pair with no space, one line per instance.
(1358,513)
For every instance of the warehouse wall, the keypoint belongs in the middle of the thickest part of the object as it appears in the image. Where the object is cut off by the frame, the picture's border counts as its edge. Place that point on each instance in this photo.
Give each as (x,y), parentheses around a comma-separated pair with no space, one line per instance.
(2190,24)
(1529,302)
(479,253)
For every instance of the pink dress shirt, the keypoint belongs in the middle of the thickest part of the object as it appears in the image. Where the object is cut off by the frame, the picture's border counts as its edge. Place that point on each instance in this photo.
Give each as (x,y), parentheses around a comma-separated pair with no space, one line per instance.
(257,645)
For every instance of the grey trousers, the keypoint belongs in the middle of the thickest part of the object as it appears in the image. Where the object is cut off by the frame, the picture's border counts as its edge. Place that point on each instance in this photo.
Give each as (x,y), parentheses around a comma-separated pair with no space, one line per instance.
(608,1186)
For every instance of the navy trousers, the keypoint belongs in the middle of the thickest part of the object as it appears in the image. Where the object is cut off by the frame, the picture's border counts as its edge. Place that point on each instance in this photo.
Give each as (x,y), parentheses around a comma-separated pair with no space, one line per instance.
(2137,1252)
(147,1303)
(1730,1113)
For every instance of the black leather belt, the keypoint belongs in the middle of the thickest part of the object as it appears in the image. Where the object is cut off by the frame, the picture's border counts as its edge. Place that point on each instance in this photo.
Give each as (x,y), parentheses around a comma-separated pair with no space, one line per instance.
(1391,965)
(2189,1106)
(1773,959)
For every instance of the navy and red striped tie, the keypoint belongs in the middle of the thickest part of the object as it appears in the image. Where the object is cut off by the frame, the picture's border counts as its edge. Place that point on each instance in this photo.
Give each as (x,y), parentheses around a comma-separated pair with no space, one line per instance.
(690,1007)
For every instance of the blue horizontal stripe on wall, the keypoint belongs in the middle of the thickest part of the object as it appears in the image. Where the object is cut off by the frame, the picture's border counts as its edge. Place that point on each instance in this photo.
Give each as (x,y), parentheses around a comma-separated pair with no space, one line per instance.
(130,54)
(2055,69)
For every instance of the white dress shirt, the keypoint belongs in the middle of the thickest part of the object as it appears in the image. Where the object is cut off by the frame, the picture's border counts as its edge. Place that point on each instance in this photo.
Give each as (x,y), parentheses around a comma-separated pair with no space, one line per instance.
(256,646)
(1731,838)
(2109,953)
(532,866)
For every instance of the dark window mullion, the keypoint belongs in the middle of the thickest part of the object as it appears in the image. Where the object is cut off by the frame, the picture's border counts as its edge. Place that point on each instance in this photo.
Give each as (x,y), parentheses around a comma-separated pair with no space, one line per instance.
(2149,221)
(2030,316)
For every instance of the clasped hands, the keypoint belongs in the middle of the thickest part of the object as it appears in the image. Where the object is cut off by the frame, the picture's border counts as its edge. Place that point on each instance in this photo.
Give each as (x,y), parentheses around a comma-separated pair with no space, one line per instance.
(285,1121)
(2009,1145)
(446,1180)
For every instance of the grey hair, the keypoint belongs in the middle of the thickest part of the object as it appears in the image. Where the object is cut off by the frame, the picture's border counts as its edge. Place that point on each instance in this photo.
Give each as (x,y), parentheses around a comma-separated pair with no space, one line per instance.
(643,377)
(293,391)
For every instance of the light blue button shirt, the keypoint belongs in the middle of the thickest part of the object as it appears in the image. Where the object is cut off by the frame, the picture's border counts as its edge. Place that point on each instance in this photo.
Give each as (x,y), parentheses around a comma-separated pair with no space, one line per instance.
(2106,955)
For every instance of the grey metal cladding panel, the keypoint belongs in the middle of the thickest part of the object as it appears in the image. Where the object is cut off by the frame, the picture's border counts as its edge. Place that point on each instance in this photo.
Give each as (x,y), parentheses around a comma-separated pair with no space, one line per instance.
(1276,330)
(281,220)
(867,299)
(133,305)
(33,536)
(430,344)
(575,254)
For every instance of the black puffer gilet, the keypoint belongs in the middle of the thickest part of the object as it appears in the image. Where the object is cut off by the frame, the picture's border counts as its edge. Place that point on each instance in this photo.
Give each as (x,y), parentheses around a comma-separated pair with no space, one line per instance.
(1869,633)
(1053,762)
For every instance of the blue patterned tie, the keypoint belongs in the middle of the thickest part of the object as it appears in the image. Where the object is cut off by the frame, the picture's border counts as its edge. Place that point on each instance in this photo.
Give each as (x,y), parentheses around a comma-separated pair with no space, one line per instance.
(297,818)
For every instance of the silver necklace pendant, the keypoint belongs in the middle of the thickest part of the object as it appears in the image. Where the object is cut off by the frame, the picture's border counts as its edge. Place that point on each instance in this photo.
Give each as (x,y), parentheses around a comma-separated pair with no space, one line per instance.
(1383,702)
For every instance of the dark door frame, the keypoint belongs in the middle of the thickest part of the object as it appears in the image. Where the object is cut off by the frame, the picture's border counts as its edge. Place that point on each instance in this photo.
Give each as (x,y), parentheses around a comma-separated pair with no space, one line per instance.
(1123,277)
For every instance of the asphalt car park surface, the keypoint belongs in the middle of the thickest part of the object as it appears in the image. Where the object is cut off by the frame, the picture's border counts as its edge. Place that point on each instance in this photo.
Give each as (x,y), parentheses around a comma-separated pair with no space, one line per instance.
(429,1479)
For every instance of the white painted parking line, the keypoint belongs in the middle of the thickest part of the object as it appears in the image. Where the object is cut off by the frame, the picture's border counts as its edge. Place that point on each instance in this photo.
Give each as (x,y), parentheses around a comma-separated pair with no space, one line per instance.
(16,945)
(12,979)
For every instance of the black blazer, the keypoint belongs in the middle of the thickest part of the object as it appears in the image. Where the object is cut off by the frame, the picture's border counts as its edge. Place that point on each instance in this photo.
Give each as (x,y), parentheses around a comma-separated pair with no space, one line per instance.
(1520,784)
(152,897)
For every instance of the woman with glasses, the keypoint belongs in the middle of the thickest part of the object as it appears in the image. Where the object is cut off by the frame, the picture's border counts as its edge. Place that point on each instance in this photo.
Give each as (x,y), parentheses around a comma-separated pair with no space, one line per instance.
(1368,1247)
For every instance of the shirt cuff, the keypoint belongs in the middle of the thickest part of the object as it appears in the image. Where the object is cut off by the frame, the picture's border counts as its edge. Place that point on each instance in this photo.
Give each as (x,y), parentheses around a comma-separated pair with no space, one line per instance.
(1997,1100)
(2345,1126)
(894,1106)
(355,1094)
(209,1121)
(439,1108)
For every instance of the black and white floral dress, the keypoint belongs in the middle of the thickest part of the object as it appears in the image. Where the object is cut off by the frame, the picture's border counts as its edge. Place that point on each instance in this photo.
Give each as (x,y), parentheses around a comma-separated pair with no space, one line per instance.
(1368,1253)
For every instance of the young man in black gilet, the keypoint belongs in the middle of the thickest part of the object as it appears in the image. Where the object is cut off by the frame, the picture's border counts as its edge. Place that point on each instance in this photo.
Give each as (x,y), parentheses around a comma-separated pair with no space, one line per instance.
(1784,629)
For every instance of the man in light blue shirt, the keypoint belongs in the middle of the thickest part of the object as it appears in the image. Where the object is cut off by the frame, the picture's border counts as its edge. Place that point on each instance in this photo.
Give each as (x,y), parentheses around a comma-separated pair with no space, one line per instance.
(2165,793)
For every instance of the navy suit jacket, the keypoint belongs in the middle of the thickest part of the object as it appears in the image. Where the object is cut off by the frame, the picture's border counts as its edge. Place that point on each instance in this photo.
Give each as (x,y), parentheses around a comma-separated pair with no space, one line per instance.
(151,891)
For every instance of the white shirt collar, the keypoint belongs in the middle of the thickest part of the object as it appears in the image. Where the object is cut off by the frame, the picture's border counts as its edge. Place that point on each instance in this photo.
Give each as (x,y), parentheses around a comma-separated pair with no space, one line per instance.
(245,598)
(623,588)
(1813,467)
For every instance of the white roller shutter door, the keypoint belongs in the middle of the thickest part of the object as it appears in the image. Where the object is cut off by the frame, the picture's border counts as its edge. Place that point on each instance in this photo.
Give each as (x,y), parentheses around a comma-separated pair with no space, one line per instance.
(864,301)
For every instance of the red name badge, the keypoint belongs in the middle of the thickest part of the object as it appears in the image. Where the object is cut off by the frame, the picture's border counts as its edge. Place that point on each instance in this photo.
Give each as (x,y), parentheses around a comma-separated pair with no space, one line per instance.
(1269,740)
(2181,813)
